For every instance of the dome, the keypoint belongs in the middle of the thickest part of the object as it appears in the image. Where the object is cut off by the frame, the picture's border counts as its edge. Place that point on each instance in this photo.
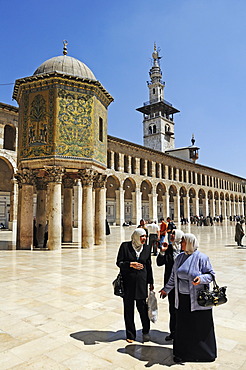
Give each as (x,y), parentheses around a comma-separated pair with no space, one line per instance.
(67,65)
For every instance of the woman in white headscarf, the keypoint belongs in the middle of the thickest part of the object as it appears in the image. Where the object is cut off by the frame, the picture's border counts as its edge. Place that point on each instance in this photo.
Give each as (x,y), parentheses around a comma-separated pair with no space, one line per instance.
(194,338)
(134,261)
(166,256)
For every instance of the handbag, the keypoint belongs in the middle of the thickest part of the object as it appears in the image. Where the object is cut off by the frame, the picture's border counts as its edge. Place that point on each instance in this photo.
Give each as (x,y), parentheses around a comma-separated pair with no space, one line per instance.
(118,286)
(152,306)
(208,298)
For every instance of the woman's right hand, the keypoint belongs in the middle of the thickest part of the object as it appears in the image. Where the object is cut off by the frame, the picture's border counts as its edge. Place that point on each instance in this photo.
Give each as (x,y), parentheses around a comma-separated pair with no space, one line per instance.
(136,265)
(163,294)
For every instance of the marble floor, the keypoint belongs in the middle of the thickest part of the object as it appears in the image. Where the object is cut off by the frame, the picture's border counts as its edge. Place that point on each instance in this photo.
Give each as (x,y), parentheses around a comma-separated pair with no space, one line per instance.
(58,311)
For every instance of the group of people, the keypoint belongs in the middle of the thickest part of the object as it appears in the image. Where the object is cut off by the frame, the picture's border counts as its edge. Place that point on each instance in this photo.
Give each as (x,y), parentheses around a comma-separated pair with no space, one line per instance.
(186,271)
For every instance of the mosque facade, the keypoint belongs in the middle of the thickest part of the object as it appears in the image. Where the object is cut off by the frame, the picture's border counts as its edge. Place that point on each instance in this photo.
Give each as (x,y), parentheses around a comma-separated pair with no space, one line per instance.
(59,166)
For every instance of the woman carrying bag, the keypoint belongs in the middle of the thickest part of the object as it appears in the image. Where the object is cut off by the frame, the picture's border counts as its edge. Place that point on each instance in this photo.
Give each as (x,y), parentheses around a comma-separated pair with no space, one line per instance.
(134,261)
(194,339)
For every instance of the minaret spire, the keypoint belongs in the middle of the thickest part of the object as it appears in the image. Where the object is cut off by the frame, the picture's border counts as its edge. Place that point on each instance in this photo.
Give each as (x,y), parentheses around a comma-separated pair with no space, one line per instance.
(65,47)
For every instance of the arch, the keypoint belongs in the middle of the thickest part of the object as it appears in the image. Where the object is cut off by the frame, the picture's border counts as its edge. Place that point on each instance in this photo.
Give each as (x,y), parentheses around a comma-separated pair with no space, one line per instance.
(150,130)
(6,175)
(9,137)
(216,195)
(145,188)
(142,167)
(133,165)
(227,197)
(154,129)
(160,190)
(201,194)
(210,195)
(112,184)
(182,191)
(192,193)
(167,128)
(129,186)
(222,196)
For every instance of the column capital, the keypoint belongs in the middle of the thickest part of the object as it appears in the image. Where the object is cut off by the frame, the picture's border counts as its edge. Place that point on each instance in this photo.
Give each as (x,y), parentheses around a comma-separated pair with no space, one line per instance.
(87,176)
(100,181)
(54,173)
(68,182)
(40,182)
(25,176)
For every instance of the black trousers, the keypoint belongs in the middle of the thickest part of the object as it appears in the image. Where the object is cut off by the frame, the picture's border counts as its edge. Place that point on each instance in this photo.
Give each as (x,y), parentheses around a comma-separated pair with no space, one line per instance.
(142,308)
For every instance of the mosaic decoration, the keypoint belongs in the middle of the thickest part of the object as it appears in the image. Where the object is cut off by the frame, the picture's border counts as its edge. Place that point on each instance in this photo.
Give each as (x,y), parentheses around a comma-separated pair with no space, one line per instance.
(75,124)
(37,125)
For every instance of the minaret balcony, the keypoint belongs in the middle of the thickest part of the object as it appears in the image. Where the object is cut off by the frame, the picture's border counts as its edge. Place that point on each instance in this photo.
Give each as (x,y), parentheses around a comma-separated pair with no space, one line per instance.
(152,101)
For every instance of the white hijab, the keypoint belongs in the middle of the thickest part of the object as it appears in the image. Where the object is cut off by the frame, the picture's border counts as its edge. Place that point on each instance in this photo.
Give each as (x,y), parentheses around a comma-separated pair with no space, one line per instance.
(191,243)
(136,242)
(178,234)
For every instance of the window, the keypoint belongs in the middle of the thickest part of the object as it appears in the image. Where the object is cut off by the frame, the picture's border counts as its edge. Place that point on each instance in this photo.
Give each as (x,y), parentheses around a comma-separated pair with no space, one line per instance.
(154,129)
(100,129)
(9,137)
(153,91)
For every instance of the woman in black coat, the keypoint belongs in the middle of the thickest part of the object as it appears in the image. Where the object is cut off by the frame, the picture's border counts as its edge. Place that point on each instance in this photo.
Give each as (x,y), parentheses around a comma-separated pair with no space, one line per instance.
(134,261)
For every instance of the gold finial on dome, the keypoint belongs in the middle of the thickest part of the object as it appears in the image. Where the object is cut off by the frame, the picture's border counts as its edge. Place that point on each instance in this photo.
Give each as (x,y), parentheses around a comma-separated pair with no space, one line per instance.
(65,47)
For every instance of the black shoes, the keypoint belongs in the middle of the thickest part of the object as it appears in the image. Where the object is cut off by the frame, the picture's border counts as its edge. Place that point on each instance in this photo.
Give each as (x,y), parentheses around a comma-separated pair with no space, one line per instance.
(178,360)
(169,337)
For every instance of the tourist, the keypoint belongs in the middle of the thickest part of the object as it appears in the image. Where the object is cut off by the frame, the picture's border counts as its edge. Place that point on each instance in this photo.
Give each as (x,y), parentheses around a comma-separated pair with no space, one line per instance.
(170,227)
(239,233)
(154,236)
(194,338)
(166,256)
(163,230)
(134,261)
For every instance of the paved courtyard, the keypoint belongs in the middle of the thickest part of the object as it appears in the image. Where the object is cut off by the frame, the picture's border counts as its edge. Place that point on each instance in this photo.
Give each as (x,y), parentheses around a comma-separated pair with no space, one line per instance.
(58,311)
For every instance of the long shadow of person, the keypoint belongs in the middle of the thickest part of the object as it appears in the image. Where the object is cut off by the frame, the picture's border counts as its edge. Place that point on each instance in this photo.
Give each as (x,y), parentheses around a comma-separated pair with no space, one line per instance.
(153,355)
(90,337)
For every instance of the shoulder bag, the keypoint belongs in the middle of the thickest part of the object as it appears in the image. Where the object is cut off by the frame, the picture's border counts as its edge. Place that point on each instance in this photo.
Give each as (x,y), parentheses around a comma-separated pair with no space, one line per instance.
(208,298)
(118,286)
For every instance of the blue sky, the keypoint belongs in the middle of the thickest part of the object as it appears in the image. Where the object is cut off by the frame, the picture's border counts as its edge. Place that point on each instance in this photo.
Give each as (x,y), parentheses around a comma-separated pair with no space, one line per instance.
(203,62)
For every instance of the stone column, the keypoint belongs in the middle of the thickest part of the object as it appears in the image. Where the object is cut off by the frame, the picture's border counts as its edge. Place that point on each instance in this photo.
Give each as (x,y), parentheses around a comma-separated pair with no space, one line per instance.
(166,175)
(13,206)
(121,162)
(54,178)
(206,206)
(136,206)
(41,186)
(120,206)
(137,166)
(100,209)
(187,207)
(177,174)
(77,204)
(176,200)
(165,199)
(87,177)
(67,216)
(196,206)
(25,180)
(195,177)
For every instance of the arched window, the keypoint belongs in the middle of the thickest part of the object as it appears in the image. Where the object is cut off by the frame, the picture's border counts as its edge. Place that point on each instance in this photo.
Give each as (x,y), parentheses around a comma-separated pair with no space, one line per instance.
(150,130)
(154,129)
(167,128)
(100,129)
(9,137)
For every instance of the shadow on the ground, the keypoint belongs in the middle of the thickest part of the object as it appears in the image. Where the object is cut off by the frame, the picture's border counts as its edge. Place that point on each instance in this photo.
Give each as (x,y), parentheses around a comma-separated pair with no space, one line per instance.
(95,336)
(153,355)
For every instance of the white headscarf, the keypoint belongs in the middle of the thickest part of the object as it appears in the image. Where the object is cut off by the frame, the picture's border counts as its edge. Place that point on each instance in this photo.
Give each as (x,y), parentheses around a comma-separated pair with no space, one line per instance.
(136,242)
(178,234)
(191,243)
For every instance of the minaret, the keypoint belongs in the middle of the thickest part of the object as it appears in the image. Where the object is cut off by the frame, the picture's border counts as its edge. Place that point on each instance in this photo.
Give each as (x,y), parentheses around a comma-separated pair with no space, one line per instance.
(158,123)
